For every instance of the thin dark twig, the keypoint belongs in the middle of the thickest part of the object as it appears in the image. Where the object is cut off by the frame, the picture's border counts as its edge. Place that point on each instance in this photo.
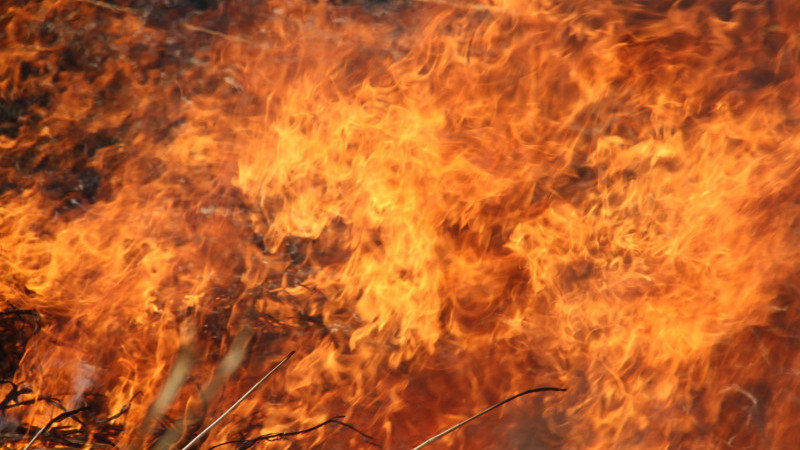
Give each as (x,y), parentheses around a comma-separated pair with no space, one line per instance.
(56,419)
(247,443)
(496,405)
(64,435)
(14,396)
(53,401)
(122,411)
(241,399)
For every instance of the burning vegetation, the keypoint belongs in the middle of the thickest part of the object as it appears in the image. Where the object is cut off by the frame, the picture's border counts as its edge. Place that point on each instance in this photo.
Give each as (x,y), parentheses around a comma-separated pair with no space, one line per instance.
(435,204)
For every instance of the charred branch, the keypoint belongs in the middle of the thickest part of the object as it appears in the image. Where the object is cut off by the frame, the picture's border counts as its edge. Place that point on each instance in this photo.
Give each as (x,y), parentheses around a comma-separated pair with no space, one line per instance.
(17,326)
(202,434)
(87,431)
(248,443)
(489,409)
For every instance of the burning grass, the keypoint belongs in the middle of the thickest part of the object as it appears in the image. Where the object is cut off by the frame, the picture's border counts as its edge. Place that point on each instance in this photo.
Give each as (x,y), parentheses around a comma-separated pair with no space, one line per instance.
(435,204)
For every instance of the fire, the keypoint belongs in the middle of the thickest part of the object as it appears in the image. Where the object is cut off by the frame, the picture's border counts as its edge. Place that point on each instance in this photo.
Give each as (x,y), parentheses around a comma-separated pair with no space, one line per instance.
(436,204)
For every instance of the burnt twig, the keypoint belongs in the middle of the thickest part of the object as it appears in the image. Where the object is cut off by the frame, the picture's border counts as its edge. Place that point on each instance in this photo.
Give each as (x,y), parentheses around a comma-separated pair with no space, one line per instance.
(122,410)
(241,399)
(12,398)
(247,443)
(17,327)
(73,437)
(496,405)
(56,419)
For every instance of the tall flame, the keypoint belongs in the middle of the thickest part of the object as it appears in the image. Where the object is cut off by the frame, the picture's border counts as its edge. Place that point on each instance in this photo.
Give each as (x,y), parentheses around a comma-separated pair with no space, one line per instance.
(436,204)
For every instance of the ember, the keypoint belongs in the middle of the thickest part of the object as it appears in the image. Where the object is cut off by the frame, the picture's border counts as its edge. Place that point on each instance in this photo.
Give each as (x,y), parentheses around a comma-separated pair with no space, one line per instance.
(438,205)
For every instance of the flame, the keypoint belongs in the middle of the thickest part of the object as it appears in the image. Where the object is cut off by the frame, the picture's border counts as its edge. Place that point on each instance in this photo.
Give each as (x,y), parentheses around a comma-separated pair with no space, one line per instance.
(436,204)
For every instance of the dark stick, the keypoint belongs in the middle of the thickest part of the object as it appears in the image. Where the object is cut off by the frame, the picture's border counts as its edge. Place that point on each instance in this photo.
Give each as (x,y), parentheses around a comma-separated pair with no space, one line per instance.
(247,443)
(58,418)
(122,411)
(496,405)
(241,399)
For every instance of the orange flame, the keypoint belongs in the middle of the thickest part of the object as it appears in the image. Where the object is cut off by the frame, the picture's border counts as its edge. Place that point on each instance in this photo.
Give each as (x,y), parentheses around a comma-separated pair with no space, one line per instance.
(436,204)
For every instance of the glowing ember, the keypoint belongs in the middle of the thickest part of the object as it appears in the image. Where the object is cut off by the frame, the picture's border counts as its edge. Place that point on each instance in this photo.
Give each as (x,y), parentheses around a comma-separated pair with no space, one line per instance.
(436,204)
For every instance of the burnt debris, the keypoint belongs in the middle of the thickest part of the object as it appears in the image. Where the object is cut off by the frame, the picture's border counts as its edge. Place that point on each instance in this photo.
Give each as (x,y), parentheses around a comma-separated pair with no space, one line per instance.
(17,326)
